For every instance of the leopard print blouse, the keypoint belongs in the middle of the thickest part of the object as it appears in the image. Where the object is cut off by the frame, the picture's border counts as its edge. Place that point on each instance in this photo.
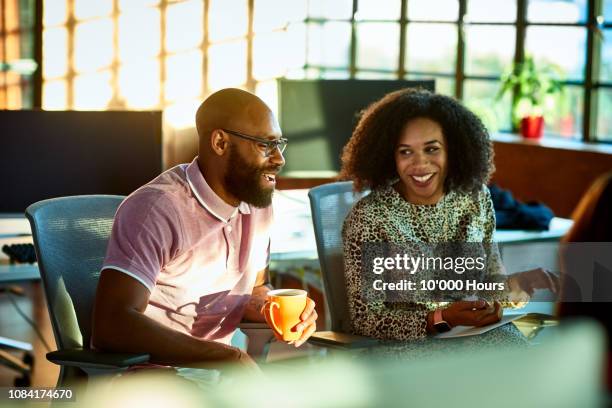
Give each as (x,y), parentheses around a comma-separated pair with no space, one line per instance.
(385,216)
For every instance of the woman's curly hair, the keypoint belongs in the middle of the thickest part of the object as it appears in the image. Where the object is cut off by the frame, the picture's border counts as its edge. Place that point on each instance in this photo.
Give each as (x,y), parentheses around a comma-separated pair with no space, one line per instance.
(368,157)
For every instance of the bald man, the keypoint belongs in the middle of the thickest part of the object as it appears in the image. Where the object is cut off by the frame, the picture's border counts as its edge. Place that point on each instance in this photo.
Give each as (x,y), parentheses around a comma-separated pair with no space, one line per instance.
(188,255)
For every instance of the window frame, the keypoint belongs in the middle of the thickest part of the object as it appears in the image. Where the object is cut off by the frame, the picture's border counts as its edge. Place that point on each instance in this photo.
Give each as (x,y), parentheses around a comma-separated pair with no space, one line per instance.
(589,85)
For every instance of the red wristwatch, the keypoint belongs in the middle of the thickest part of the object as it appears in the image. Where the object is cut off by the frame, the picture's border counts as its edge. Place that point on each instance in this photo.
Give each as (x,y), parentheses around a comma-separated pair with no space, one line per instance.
(439,323)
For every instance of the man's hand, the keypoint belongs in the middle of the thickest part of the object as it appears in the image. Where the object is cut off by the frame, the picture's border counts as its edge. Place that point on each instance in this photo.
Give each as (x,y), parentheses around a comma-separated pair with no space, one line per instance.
(308,323)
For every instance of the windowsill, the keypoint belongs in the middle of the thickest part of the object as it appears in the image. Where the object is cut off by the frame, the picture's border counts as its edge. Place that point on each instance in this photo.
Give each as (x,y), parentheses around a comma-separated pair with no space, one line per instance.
(553,143)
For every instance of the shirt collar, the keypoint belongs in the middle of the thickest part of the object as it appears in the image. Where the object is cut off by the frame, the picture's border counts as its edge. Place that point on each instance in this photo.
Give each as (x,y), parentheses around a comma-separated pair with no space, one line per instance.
(208,198)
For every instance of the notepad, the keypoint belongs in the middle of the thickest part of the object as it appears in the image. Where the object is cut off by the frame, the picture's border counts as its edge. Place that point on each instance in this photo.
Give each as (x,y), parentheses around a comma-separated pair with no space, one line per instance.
(464,331)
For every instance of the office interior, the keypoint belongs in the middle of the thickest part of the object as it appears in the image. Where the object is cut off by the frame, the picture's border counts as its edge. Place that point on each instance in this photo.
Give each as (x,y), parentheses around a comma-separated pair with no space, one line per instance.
(98,97)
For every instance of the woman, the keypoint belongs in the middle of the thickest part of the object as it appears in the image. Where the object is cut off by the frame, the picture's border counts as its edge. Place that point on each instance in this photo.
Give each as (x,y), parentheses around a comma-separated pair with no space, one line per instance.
(427,159)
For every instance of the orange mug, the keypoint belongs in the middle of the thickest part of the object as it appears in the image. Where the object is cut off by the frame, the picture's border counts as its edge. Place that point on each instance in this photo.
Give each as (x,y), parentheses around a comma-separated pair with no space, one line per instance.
(283,309)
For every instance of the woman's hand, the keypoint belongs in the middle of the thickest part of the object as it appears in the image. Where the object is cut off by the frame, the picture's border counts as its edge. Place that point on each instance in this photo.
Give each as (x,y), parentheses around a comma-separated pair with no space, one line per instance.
(472,313)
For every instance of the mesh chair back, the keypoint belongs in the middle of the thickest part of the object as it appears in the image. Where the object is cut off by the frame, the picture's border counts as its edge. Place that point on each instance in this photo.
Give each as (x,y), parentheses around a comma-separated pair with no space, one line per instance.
(330,204)
(70,237)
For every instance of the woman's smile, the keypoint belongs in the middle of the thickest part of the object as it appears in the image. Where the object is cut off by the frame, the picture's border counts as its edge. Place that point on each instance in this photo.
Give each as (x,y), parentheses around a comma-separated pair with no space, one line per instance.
(424,179)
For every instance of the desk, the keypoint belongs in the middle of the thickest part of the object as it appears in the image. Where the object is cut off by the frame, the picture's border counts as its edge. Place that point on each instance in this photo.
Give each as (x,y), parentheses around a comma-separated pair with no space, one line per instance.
(557,228)
(531,330)
(15,272)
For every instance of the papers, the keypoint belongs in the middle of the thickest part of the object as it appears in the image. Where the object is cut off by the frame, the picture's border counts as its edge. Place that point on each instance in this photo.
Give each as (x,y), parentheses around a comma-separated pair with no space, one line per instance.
(203,378)
(463,331)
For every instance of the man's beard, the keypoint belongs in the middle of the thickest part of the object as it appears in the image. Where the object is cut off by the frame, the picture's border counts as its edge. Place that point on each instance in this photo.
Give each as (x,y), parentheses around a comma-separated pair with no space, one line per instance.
(243,180)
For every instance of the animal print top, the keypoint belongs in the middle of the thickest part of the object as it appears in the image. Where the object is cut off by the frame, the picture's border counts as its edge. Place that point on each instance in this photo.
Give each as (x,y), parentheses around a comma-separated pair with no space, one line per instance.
(385,216)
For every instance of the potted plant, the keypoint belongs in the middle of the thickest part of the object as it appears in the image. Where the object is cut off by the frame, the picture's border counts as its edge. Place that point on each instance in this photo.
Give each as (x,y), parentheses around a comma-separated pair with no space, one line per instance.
(533,87)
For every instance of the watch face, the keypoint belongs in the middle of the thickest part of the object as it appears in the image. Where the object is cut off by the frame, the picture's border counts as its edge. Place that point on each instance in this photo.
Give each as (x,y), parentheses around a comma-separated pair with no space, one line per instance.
(442,327)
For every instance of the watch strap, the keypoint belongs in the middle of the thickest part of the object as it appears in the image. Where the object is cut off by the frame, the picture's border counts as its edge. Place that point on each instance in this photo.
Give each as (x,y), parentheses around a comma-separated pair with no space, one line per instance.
(439,324)
(437,317)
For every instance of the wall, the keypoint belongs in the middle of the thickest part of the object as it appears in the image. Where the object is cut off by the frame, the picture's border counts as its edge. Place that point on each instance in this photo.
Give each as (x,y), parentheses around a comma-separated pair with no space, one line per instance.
(556,176)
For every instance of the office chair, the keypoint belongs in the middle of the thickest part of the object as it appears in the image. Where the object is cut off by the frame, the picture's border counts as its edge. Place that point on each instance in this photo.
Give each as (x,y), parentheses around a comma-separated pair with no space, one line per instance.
(70,237)
(330,204)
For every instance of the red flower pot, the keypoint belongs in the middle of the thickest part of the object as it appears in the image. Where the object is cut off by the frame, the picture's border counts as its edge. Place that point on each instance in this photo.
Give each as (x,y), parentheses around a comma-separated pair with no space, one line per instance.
(532,127)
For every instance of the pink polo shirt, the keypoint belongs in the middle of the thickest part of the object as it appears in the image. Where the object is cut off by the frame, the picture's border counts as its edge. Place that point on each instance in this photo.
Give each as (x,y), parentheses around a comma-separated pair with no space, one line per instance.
(196,254)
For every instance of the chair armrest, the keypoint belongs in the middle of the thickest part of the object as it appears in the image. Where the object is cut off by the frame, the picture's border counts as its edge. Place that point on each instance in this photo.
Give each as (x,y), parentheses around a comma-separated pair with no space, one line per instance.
(87,358)
(339,340)
(258,337)
(253,326)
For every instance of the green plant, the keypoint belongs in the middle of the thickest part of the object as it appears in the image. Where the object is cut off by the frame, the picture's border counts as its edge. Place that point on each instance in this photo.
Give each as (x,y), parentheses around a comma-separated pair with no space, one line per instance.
(535,89)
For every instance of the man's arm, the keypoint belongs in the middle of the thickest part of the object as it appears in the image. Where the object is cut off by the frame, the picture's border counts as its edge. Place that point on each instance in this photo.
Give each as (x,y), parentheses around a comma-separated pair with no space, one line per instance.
(252,313)
(120,325)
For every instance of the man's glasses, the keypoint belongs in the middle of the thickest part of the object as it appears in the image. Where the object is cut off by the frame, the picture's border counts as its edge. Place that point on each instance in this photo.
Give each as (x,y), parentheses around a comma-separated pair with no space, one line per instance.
(267,147)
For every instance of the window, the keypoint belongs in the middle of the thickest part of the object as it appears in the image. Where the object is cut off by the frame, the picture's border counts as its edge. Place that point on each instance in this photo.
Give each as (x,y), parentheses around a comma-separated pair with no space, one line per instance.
(170,54)
(165,54)
(466,45)
(17,54)
(603,85)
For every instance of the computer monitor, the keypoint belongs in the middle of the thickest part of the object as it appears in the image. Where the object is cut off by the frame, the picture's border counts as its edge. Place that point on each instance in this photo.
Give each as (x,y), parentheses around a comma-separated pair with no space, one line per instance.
(45,154)
(318,117)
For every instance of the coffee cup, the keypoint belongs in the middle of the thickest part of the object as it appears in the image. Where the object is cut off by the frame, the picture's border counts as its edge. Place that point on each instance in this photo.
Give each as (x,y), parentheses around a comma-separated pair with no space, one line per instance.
(283,310)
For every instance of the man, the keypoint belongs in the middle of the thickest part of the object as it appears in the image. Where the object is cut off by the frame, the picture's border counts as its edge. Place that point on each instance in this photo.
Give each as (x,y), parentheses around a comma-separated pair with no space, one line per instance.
(189,251)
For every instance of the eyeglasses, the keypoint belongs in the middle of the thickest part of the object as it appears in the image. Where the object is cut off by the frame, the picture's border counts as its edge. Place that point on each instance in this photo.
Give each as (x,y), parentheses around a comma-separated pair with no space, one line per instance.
(265,146)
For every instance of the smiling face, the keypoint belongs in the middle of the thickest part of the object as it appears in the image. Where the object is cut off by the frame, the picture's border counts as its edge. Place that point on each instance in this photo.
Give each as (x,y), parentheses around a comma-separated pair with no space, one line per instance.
(421,161)
(251,176)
